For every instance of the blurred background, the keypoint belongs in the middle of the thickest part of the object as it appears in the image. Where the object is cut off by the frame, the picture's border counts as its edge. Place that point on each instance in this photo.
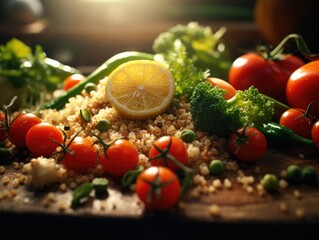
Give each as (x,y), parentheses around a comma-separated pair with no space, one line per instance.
(87,32)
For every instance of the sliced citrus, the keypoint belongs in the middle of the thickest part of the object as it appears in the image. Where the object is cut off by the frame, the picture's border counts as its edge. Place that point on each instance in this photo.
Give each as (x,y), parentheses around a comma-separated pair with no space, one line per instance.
(140,89)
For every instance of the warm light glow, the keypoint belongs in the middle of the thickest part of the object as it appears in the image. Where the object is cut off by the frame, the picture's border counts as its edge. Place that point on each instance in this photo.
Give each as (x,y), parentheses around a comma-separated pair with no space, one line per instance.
(103,0)
(239,62)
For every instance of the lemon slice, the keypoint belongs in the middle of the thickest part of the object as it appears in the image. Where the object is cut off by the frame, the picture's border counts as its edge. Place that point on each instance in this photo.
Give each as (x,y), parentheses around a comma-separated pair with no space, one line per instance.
(140,89)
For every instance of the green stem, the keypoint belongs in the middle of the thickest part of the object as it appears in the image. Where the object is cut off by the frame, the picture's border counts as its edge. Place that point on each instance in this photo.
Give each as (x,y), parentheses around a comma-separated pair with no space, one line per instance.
(165,155)
(301,45)
(104,70)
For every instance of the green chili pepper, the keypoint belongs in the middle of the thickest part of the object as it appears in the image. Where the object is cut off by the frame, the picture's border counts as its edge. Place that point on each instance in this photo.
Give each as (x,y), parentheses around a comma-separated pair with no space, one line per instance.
(282,136)
(81,192)
(104,70)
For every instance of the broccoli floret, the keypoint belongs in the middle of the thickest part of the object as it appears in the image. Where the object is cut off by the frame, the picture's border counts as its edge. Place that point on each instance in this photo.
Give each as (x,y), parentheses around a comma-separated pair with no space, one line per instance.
(212,113)
(204,47)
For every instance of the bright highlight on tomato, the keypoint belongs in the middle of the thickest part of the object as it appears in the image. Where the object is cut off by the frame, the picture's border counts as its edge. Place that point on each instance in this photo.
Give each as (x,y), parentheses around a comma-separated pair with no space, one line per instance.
(303,87)
(19,128)
(42,139)
(269,76)
(315,134)
(73,80)
(158,188)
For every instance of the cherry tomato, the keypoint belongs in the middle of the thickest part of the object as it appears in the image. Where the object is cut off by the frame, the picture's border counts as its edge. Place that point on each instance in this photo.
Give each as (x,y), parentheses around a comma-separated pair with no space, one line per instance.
(158,188)
(120,157)
(40,139)
(247,144)
(19,128)
(303,87)
(230,90)
(175,147)
(81,156)
(3,131)
(269,76)
(315,133)
(73,80)
(296,120)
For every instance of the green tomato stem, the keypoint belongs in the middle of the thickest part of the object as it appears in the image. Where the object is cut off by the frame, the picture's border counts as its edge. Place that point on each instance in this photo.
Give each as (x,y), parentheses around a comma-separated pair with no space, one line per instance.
(301,45)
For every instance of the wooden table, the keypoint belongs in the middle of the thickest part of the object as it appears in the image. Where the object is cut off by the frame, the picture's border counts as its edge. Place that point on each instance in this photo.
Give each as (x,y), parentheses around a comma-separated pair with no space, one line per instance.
(238,209)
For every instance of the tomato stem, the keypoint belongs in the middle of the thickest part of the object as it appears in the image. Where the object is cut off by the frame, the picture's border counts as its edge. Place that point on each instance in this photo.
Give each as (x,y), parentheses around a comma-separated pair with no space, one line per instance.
(156,187)
(64,146)
(301,45)
(165,155)
(306,114)
(6,112)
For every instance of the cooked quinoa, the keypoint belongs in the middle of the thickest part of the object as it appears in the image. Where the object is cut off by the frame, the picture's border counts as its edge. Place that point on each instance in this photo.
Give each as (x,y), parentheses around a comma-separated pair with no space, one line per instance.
(142,133)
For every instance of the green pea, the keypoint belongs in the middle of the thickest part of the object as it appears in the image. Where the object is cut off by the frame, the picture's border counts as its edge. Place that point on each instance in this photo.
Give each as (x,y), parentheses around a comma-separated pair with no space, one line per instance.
(294,174)
(309,175)
(89,87)
(216,167)
(188,136)
(100,184)
(270,182)
(103,125)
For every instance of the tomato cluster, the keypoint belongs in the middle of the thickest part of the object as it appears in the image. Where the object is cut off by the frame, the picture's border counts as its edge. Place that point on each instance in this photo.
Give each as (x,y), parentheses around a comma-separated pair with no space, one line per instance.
(268,75)
(159,187)
(285,78)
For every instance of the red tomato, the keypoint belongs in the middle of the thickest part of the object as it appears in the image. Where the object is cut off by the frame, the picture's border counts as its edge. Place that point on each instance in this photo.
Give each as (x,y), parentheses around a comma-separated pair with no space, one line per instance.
(315,134)
(120,157)
(158,188)
(82,155)
(3,131)
(303,87)
(40,139)
(176,148)
(247,144)
(230,90)
(73,80)
(269,76)
(296,120)
(19,128)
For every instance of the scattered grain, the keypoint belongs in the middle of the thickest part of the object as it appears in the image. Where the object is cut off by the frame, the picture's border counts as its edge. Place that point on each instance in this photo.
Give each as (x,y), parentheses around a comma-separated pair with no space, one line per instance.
(297,194)
(214,210)
(283,184)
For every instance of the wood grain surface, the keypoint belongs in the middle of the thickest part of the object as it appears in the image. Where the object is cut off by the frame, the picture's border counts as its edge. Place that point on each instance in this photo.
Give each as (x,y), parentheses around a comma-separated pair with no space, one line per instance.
(234,205)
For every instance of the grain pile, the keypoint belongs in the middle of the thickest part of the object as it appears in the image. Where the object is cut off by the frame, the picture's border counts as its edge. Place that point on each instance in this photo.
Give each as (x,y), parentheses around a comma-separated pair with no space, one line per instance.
(142,133)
